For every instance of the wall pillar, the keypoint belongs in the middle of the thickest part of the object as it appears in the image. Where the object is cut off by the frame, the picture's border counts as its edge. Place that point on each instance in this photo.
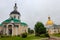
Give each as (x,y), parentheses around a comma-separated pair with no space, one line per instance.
(12,31)
(4,31)
(16,31)
(7,30)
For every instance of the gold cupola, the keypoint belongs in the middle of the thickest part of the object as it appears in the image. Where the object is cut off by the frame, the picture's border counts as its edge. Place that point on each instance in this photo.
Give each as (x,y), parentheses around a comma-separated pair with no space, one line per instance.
(49,22)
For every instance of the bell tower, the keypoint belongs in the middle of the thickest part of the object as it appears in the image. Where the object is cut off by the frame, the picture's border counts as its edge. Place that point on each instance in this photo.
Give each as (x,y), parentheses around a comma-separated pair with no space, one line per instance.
(15,14)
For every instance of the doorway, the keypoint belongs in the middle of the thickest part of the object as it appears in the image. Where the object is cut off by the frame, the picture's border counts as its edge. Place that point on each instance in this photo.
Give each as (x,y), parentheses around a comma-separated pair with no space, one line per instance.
(10,29)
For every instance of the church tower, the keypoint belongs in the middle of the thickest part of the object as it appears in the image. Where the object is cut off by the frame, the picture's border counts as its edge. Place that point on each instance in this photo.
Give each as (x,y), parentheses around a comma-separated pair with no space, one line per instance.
(15,14)
(49,22)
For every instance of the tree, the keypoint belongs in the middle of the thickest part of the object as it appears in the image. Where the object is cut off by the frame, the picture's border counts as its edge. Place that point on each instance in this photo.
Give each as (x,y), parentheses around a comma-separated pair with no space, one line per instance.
(39,29)
(30,31)
(24,35)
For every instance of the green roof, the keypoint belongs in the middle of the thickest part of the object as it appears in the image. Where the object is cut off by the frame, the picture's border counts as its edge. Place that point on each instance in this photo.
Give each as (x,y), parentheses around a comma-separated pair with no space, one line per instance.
(12,19)
(23,24)
(1,24)
(15,21)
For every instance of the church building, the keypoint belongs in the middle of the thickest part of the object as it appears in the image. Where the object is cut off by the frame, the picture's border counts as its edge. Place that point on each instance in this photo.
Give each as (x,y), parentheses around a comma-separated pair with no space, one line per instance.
(13,25)
(51,27)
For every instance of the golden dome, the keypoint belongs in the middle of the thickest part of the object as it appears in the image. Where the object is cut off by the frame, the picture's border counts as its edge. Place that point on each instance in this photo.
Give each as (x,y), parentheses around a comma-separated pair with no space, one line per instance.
(49,22)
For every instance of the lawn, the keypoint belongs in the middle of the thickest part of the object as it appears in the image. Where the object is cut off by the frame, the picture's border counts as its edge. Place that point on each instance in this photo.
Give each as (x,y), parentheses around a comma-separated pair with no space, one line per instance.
(57,35)
(30,37)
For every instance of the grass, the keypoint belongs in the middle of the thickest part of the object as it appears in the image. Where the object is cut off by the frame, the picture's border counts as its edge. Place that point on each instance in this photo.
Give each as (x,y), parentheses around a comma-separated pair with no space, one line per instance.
(30,37)
(57,35)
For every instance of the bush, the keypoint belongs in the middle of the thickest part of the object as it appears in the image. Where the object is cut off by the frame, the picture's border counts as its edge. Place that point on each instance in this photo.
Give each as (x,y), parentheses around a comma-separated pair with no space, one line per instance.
(42,35)
(47,35)
(24,35)
(36,34)
(18,35)
(5,36)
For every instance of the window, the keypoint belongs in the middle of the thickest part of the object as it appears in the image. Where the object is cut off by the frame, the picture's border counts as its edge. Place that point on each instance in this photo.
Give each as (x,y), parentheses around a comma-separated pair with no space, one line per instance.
(4,25)
(55,31)
(10,25)
(16,26)
(18,17)
(14,16)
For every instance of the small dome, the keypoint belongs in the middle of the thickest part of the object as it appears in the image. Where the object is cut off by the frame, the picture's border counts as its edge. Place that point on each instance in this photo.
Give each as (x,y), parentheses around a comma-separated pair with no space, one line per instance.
(15,12)
(49,22)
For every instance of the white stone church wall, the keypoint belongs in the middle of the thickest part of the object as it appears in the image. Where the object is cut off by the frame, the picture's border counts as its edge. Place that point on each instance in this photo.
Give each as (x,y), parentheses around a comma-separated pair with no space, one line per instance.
(12,15)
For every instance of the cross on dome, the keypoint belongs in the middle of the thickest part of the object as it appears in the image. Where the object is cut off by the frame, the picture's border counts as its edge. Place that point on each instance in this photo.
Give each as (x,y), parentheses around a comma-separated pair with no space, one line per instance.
(15,7)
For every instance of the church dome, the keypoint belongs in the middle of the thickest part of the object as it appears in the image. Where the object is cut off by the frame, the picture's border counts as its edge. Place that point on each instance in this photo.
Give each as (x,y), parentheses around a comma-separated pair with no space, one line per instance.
(15,10)
(49,22)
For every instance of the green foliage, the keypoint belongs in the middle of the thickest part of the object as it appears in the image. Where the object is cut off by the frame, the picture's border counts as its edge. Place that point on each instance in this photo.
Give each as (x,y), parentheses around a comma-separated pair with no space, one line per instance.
(30,31)
(18,35)
(24,35)
(4,36)
(47,35)
(56,34)
(39,29)
(29,37)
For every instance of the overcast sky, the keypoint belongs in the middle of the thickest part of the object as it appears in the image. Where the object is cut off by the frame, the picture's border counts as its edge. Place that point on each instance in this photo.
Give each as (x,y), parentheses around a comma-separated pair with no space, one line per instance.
(32,10)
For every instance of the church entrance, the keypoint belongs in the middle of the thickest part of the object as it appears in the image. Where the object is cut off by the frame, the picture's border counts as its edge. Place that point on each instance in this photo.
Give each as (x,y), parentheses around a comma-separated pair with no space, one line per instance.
(10,29)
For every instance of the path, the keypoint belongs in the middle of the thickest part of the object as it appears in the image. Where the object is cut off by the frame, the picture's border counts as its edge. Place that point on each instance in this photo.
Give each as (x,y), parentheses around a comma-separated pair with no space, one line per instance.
(51,38)
(54,38)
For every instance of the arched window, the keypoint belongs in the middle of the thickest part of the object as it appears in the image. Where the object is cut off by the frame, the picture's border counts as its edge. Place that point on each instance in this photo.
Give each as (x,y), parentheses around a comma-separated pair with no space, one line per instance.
(17,26)
(14,16)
